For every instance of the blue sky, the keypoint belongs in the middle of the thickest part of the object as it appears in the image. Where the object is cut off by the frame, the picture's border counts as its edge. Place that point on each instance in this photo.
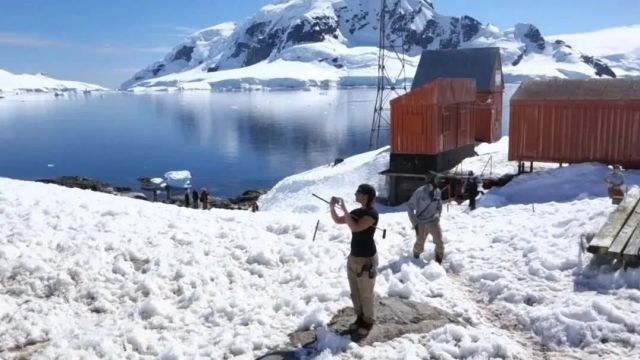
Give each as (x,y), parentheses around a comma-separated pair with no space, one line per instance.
(105,42)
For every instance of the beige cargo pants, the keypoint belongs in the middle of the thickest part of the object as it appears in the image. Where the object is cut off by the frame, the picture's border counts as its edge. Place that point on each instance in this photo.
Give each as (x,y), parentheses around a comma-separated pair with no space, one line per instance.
(421,236)
(362,286)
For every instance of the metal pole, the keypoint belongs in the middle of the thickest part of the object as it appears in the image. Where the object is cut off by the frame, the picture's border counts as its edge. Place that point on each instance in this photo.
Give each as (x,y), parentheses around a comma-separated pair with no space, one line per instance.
(384,231)
(316,231)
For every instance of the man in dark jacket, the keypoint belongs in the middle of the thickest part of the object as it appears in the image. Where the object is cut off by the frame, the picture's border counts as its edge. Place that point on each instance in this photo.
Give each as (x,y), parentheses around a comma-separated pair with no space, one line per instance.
(194,197)
(204,198)
(471,189)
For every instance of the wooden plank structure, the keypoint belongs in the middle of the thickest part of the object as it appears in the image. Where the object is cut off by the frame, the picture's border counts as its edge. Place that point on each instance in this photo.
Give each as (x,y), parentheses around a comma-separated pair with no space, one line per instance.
(619,237)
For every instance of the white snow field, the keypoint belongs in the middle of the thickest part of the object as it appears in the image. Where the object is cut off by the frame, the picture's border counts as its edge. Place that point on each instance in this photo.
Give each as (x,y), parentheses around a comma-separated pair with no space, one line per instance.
(19,83)
(619,47)
(89,275)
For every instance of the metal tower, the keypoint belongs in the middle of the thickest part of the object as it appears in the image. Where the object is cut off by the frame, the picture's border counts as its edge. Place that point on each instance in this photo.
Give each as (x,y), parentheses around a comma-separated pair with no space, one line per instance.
(390,48)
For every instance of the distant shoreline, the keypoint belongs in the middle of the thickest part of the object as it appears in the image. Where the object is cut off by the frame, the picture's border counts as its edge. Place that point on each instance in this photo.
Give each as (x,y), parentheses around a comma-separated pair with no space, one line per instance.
(245,201)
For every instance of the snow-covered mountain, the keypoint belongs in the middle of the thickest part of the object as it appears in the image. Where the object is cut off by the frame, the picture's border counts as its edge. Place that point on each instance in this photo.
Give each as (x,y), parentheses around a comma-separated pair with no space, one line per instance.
(617,47)
(10,82)
(204,46)
(297,43)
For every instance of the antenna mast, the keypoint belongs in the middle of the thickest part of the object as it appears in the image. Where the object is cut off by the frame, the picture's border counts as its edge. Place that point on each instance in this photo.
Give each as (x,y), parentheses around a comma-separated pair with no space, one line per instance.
(390,49)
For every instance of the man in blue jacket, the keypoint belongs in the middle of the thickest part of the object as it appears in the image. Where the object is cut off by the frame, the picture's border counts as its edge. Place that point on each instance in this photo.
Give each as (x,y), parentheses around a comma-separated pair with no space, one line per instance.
(424,209)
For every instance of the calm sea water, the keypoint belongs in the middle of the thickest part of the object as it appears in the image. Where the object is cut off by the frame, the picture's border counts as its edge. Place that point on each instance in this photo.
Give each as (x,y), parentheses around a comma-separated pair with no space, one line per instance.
(230,142)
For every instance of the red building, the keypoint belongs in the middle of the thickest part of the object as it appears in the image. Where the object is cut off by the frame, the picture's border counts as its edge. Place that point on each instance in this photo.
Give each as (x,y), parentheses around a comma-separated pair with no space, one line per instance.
(431,129)
(434,118)
(483,65)
(573,121)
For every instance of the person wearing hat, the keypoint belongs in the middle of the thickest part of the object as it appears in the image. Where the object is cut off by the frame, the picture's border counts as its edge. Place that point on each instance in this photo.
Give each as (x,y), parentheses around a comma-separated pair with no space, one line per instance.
(471,189)
(615,180)
(362,263)
(424,209)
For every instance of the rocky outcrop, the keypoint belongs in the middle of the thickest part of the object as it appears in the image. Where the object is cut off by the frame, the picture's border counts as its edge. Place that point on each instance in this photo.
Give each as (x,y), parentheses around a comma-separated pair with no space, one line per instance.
(601,68)
(86,184)
(394,317)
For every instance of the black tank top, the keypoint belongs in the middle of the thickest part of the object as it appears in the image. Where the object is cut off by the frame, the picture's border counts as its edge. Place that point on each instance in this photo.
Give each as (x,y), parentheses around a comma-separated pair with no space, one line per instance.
(362,244)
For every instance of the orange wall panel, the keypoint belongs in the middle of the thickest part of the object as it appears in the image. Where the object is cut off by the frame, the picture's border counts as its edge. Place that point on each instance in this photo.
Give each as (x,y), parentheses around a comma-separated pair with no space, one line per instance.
(575,131)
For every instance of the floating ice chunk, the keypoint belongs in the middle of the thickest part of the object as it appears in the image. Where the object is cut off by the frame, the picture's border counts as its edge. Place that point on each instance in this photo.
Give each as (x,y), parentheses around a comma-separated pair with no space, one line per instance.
(178,179)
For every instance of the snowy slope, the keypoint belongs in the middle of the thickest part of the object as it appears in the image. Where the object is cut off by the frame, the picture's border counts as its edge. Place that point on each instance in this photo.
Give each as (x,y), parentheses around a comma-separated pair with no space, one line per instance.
(203,45)
(89,275)
(618,47)
(26,82)
(339,38)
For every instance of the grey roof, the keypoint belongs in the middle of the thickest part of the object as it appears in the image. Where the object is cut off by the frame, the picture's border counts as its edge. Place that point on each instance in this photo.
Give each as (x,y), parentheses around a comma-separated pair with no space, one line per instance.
(589,89)
(475,63)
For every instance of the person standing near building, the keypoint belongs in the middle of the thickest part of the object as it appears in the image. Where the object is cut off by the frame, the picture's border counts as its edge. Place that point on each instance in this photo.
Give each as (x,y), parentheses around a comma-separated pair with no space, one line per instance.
(362,263)
(471,189)
(424,209)
(615,180)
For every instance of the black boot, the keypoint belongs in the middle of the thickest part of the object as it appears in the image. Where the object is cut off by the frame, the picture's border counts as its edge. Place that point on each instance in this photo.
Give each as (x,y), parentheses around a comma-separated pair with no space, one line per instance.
(438,258)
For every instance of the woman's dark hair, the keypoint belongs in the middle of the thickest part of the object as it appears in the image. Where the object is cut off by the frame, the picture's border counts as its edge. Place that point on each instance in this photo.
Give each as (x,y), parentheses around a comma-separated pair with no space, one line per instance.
(369,191)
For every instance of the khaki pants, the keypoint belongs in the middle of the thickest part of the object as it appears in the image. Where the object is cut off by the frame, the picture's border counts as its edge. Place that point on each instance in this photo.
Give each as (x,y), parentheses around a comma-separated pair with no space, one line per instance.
(361,287)
(615,191)
(421,236)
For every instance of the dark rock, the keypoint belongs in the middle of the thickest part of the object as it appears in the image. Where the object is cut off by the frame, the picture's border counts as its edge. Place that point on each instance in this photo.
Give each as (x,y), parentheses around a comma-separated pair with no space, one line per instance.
(260,43)
(394,317)
(317,28)
(135,195)
(518,59)
(357,20)
(155,70)
(85,183)
(241,47)
(470,27)
(534,36)
(222,203)
(257,29)
(422,39)
(246,201)
(600,67)
(213,69)
(248,197)
(146,184)
(453,41)
(184,53)
(488,183)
